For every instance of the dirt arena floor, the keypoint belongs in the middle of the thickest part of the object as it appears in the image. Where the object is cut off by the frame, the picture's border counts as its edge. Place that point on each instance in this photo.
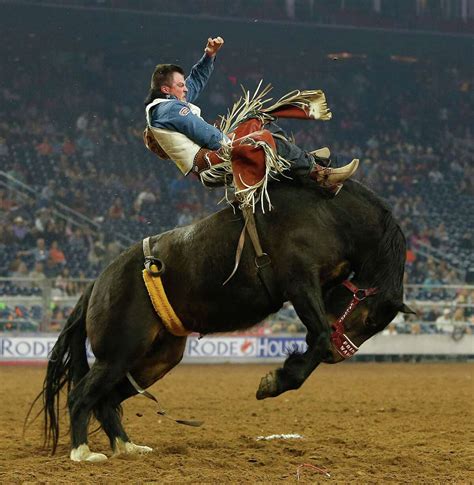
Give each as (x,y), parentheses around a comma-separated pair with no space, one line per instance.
(364,423)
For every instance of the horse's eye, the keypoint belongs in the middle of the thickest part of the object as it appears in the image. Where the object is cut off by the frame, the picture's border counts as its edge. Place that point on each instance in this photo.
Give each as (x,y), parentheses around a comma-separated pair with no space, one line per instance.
(369,322)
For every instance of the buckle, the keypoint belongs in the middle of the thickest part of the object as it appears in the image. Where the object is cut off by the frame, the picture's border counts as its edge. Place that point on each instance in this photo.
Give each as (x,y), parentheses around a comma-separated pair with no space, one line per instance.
(262,260)
(360,295)
(151,263)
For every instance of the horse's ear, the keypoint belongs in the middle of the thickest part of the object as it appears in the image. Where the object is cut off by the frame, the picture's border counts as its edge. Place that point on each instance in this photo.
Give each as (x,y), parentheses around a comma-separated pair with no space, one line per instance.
(406,309)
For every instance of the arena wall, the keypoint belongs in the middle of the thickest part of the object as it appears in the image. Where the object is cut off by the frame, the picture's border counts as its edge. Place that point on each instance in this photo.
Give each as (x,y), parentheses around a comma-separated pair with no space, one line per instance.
(253,349)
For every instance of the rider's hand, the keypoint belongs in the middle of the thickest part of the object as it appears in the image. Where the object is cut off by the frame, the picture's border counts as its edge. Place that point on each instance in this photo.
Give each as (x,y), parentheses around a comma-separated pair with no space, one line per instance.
(213,45)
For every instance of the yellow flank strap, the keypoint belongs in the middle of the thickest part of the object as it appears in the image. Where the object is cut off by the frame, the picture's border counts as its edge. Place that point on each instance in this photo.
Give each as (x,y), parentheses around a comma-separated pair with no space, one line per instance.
(162,306)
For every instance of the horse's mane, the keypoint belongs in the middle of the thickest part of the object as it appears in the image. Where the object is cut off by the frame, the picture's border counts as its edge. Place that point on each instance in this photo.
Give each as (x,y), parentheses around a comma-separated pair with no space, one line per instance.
(388,265)
(360,189)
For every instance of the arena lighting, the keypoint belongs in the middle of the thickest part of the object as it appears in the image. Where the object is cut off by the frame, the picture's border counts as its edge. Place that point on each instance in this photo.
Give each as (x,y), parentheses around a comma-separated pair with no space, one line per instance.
(407,59)
(345,55)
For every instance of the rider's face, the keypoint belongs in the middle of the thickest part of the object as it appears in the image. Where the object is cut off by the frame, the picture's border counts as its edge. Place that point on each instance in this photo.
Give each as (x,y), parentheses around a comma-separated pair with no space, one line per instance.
(176,87)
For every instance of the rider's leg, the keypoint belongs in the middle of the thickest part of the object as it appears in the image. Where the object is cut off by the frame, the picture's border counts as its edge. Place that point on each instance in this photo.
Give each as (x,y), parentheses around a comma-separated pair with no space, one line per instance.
(315,166)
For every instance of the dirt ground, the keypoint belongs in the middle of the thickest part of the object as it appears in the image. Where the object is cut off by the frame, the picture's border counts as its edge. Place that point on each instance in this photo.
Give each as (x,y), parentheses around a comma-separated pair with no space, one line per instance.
(364,423)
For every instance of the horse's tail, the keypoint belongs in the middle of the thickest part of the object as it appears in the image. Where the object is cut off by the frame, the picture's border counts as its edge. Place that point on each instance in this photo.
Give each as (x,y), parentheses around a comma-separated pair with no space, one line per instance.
(67,364)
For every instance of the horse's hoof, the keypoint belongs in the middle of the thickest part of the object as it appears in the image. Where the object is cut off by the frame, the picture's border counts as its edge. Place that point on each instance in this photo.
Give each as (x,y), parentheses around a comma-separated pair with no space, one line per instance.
(268,386)
(129,448)
(83,453)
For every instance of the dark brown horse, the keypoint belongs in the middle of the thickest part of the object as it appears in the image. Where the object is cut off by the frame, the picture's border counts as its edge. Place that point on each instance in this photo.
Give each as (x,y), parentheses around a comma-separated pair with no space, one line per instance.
(315,243)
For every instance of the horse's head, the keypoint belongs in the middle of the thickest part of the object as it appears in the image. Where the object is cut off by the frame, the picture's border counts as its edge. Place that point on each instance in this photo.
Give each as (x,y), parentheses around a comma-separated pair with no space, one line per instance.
(357,312)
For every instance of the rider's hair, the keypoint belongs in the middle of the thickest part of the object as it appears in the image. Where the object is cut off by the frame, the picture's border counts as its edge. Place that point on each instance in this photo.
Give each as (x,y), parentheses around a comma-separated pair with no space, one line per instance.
(161,76)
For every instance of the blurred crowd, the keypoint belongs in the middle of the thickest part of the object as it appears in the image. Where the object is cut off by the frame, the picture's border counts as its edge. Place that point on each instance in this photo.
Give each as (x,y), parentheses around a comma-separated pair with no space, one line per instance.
(438,15)
(77,184)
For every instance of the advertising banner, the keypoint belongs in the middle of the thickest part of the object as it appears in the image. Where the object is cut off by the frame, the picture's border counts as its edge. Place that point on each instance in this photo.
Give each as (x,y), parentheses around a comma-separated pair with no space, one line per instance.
(26,347)
(221,347)
(247,349)
(30,348)
(279,347)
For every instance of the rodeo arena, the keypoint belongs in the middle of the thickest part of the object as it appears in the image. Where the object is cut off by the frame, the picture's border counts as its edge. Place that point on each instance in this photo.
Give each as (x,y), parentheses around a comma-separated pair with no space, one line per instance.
(277,195)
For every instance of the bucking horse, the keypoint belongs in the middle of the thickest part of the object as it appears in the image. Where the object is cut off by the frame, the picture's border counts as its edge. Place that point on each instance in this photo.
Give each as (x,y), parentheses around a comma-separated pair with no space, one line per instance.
(339,261)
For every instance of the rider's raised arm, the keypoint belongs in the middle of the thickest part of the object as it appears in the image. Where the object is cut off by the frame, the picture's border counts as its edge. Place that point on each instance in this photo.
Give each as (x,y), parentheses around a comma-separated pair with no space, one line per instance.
(202,70)
(198,77)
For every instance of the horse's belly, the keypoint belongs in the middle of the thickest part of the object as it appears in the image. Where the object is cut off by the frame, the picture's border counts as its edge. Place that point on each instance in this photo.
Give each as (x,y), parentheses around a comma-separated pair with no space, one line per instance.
(225,315)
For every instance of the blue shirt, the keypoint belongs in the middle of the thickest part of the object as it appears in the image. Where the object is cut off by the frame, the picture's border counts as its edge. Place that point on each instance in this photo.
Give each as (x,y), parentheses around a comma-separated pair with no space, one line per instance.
(175,115)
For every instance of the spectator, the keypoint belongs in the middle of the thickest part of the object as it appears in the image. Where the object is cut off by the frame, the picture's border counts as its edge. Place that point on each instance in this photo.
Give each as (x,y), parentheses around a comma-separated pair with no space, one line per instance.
(112,251)
(116,209)
(37,274)
(460,323)
(185,217)
(96,254)
(56,255)
(20,231)
(20,270)
(145,196)
(68,147)
(44,148)
(39,252)
(6,203)
(444,322)
(47,193)
(43,216)
(60,282)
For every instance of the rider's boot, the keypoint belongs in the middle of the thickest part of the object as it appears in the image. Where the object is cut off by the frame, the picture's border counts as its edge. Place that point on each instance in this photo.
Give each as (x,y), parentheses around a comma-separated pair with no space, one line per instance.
(331,179)
(322,154)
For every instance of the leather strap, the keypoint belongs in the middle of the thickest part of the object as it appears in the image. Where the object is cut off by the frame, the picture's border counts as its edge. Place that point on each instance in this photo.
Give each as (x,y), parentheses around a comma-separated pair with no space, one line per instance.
(201,163)
(342,343)
(146,248)
(154,266)
(238,253)
(263,262)
(161,412)
(261,259)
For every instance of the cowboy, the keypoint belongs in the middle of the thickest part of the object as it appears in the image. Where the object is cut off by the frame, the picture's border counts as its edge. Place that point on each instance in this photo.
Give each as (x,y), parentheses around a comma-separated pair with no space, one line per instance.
(175,130)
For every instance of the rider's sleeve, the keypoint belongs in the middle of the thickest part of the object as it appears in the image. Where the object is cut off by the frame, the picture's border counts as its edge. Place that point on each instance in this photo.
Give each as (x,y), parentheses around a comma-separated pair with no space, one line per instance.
(177,116)
(198,77)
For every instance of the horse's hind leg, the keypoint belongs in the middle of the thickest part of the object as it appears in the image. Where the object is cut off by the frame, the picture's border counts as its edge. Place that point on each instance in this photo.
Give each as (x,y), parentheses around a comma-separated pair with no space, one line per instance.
(108,414)
(166,352)
(96,384)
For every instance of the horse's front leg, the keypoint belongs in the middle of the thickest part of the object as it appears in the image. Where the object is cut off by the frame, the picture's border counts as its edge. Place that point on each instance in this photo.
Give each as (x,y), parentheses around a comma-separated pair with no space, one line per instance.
(308,302)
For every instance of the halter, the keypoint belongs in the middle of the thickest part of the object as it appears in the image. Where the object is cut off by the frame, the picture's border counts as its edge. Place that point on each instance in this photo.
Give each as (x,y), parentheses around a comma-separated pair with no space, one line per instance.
(344,346)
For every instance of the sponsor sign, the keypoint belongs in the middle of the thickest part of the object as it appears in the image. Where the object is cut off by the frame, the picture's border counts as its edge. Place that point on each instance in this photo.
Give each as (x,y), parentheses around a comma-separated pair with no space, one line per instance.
(26,347)
(279,346)
(253,349)
(221,347)
(260,347)
(38,348)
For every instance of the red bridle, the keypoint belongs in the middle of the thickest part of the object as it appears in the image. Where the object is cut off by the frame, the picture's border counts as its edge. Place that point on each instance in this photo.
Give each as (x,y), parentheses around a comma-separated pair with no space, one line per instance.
(341,341)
